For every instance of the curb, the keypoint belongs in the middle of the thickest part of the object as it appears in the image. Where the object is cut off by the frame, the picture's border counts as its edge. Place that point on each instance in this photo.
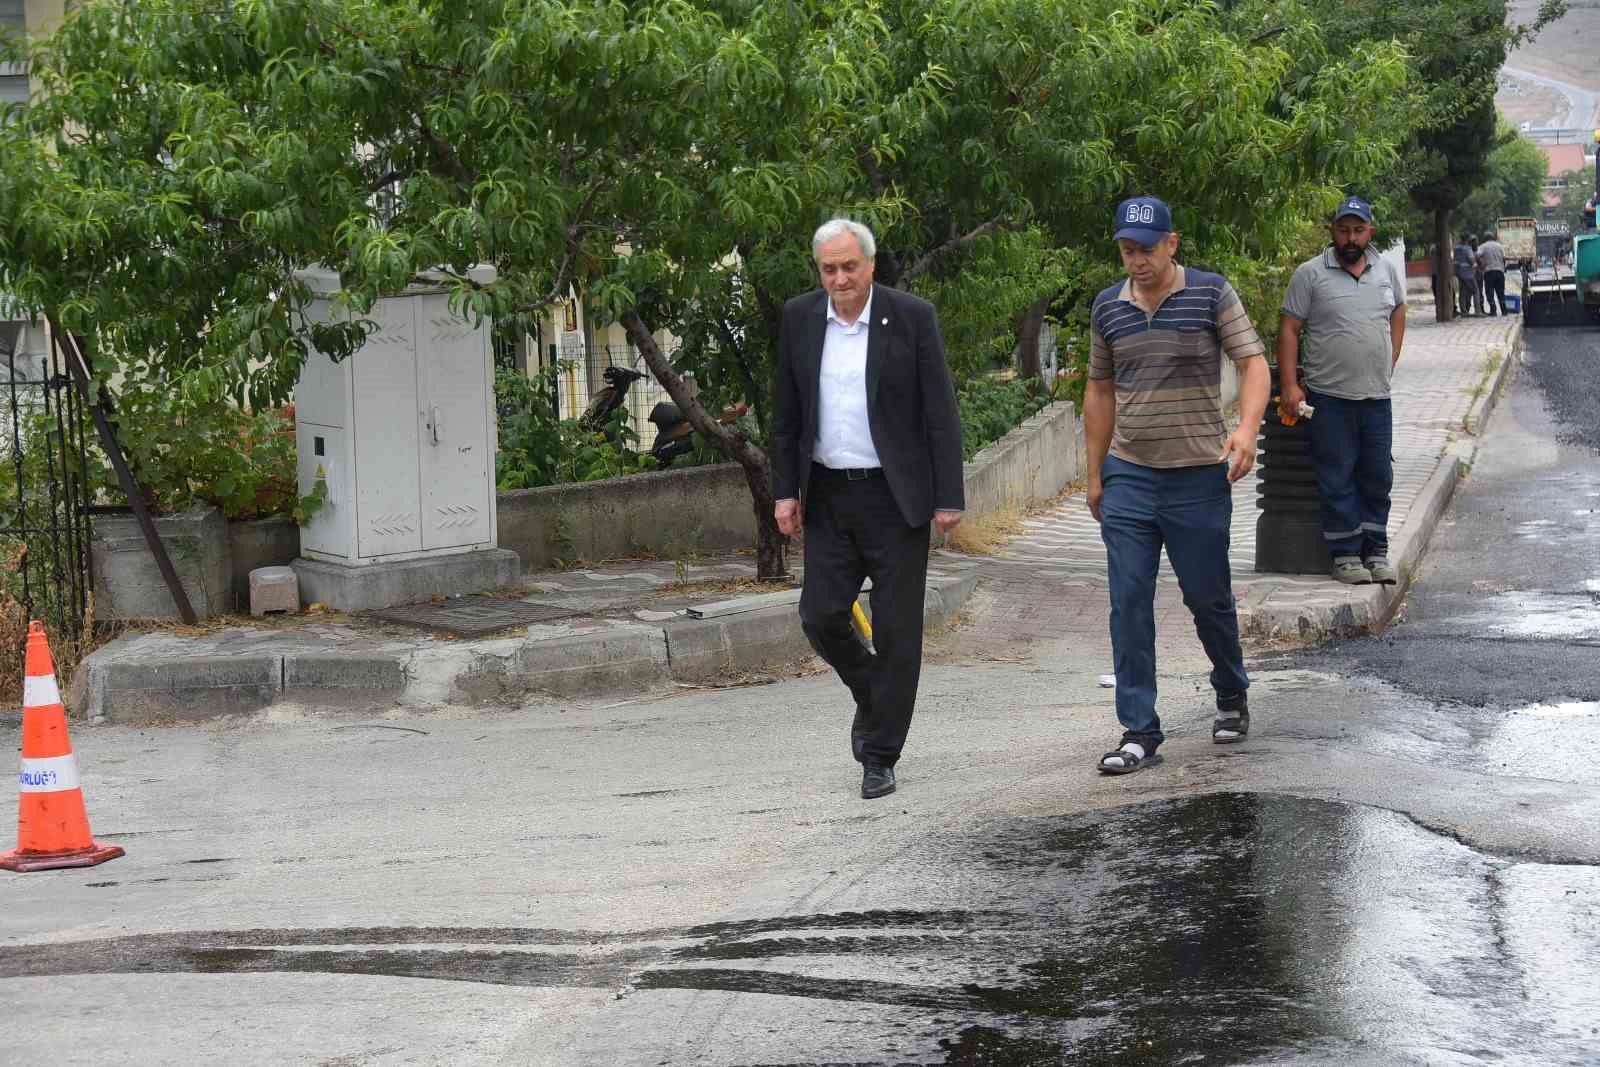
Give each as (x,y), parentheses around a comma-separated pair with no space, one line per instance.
(1368,609)
(627,657)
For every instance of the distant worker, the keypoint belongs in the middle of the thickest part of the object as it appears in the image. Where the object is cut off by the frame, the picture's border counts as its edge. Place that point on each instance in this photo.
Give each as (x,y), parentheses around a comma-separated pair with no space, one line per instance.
(1492,258)
(1464,259)
(1350,305)
(1477,277)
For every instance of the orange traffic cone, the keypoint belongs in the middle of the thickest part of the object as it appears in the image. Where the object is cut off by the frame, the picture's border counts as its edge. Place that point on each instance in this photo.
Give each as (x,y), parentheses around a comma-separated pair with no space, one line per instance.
(52,825)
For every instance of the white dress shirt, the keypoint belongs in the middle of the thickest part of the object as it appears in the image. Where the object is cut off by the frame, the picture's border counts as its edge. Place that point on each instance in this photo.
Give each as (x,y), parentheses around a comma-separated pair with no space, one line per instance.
(844,437)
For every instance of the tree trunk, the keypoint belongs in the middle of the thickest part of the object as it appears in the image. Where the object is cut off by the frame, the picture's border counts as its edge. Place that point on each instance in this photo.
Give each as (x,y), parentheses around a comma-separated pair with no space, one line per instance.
(770,540)
(1030,324)
(1444,305)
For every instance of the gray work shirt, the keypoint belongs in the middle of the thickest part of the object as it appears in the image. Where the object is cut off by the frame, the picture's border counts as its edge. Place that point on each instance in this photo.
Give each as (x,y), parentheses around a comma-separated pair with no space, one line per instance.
(1492,256)
(1345,345)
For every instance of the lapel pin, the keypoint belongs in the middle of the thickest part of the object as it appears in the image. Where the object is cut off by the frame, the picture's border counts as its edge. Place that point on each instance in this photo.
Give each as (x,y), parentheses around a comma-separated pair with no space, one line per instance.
(884,322)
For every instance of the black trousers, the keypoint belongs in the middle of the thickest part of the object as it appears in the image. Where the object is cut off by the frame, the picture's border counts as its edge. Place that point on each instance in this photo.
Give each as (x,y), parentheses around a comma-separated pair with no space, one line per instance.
(855,531)
(1494,282)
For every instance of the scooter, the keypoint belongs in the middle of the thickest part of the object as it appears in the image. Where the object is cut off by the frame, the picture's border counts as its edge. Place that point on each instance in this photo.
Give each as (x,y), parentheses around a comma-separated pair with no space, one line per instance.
(674,435)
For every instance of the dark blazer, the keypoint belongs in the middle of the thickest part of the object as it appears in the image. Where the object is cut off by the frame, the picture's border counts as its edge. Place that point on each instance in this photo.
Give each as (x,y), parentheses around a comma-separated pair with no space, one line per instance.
(911,402)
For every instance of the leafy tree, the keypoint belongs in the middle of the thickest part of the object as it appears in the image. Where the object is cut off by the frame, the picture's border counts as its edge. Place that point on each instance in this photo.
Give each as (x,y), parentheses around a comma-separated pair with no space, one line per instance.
(668,158)
(187,158)
(1065,108)
(1514,184)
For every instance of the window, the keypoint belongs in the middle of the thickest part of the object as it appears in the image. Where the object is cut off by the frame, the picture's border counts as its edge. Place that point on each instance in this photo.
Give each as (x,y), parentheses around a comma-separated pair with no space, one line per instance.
(13,76)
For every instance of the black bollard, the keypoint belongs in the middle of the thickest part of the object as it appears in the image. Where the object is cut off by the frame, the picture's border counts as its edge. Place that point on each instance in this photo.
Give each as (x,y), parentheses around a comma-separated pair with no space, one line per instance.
(1289,530)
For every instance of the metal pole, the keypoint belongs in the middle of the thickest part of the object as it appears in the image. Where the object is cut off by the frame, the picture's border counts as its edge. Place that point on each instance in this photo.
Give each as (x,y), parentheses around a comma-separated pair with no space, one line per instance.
(79,367)
(22,480)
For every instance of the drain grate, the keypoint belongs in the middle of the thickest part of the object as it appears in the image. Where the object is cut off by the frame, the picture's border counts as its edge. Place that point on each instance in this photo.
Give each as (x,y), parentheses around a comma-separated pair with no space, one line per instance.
(472,616)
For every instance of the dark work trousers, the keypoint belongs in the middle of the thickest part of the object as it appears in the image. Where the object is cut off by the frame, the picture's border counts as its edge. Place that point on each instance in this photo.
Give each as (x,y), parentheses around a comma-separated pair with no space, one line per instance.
(1351,443)
(1189,510)
(855,531)
(1494,284)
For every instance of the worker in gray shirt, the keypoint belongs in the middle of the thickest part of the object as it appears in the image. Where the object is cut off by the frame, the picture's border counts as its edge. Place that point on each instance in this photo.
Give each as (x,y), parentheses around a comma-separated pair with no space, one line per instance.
(1492,258)
(1465,261)
(1344,319)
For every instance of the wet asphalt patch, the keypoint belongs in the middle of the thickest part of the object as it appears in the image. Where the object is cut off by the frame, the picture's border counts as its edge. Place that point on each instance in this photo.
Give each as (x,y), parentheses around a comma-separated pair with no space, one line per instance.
(1228,928)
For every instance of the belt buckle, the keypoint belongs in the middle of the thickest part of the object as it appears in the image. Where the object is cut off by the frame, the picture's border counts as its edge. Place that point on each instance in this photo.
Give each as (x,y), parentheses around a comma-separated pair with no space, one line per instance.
(856,474)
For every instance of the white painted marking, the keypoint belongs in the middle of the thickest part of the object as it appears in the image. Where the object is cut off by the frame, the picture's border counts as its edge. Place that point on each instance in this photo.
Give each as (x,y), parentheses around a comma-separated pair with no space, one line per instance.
(55,774)
(40,692)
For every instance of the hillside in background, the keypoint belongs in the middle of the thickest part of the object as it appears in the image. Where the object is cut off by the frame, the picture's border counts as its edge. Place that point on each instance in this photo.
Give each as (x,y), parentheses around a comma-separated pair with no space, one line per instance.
(1568,51)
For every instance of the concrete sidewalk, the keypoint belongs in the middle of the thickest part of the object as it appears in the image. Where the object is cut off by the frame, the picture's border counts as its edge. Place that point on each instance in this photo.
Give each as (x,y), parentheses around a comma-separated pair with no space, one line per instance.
(1445,385)
(623,627)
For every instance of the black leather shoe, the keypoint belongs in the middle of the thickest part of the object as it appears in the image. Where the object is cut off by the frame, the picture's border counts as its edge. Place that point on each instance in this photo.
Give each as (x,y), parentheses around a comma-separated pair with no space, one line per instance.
(876,781)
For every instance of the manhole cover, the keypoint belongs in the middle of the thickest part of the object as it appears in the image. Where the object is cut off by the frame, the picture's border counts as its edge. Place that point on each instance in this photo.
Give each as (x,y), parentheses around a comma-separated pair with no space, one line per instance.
(471,616)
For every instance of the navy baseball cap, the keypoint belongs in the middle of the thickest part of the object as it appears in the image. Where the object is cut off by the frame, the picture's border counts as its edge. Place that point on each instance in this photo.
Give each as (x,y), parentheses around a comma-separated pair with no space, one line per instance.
(1353,205)
(1144,219)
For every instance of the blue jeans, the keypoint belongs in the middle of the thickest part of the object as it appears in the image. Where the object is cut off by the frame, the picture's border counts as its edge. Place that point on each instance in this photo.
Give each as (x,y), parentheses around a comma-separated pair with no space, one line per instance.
(1351,442)
(1187,509)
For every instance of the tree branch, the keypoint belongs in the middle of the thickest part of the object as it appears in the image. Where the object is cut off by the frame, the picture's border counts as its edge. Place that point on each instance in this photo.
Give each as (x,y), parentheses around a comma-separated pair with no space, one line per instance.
(955,244)
(393,176)
(445,154)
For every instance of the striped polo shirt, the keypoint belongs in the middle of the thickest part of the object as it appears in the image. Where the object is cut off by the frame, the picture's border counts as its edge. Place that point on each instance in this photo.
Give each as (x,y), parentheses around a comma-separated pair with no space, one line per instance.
(1168,367)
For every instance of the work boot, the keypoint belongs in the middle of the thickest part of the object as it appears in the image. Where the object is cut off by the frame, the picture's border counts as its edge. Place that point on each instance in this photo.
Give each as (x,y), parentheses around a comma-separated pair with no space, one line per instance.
(1351,571)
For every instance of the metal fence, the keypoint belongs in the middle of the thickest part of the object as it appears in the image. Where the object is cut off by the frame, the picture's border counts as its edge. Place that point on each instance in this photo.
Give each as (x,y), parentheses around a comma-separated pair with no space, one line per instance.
(44,491)
(576,390)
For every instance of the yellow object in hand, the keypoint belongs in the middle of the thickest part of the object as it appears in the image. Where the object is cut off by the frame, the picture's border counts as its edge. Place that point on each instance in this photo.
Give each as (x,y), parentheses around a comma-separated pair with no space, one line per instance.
(862,623)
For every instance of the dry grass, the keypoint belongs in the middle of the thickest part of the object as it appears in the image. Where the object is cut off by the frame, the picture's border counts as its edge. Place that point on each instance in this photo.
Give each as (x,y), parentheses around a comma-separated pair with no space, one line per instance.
(726,587)
(983,535)
(67,650)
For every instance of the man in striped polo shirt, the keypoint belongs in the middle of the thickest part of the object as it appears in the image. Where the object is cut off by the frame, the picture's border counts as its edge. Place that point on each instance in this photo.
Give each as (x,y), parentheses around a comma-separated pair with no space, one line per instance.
(1158,465)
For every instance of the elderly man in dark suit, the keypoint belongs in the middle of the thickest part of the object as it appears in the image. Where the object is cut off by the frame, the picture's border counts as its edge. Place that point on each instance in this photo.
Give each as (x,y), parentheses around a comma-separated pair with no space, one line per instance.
(866,453)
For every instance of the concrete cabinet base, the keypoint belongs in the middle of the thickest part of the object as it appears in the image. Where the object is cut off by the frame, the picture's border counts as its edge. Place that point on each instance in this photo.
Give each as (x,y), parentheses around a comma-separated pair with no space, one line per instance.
(411,581)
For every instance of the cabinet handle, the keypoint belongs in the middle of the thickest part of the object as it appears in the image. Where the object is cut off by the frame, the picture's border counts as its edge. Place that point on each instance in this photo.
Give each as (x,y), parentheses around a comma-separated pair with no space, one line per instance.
(433,422)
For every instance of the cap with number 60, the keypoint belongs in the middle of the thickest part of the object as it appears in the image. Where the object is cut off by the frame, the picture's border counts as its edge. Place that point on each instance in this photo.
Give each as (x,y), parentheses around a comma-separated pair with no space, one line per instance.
(1144,219)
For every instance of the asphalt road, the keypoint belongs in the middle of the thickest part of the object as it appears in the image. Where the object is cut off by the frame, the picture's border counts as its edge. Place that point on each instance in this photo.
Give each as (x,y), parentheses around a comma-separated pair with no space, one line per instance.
(1401,866)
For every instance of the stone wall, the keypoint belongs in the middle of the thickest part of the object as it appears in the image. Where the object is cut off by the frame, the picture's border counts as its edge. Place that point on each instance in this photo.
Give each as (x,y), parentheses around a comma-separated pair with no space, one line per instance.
(1031,463)
(663,513)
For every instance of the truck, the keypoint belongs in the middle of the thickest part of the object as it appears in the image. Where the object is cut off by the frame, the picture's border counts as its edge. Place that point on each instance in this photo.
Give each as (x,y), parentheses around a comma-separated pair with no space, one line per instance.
(1519,236)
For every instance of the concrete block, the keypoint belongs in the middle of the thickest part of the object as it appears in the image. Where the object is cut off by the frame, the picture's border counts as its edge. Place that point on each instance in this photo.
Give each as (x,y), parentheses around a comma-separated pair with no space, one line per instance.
(335,671)
(187,689)
(128,583)
(253,543)
(411,581)
(626,658)
(274,589)
(708,650)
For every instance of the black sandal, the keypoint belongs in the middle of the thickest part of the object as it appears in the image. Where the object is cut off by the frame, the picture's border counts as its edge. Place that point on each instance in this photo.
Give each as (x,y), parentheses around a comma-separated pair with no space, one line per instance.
(1237,724)
(1130,762)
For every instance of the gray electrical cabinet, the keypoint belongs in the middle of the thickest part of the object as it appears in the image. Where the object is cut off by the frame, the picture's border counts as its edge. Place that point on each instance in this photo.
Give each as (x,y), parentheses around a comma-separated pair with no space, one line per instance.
(402,433)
